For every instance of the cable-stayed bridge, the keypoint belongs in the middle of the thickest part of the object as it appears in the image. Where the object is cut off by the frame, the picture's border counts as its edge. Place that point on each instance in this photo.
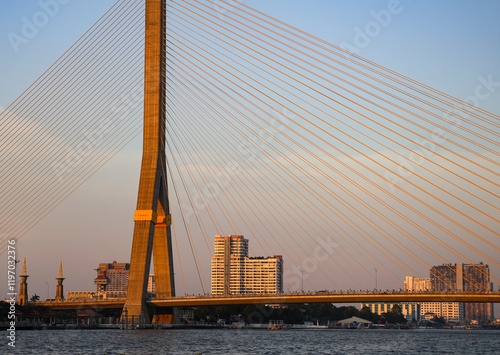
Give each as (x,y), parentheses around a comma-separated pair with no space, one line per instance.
(298,297)
(337,163)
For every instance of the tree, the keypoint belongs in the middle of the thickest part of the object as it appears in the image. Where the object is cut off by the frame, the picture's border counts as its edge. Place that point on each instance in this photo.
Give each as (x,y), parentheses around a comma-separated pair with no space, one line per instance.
(4,310)
(439,320)
(203,314)
(367,314)
(291,314)
(350,311)
(223,312)
(336,313)
(258,313)
(395,315)
(35,298)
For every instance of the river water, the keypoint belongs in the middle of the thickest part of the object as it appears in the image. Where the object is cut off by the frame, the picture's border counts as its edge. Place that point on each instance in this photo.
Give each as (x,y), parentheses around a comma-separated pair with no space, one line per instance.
(250,341)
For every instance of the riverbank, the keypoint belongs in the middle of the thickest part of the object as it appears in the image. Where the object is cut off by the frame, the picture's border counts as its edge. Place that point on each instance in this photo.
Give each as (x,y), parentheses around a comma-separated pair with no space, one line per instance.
(213,326)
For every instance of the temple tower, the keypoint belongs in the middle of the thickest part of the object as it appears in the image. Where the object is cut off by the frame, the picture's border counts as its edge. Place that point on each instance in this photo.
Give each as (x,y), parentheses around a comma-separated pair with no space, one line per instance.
(59,287)
(23,286)
(152,236)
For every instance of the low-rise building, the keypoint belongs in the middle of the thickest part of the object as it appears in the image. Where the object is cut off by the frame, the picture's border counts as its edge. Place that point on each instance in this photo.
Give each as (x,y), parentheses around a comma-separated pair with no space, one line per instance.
(81,295)
(410,310)
(452,312)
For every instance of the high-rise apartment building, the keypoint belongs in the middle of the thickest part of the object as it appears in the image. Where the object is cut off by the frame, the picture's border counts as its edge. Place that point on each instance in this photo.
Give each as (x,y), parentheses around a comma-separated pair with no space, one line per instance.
(465,277)
(461,277)
(234,272)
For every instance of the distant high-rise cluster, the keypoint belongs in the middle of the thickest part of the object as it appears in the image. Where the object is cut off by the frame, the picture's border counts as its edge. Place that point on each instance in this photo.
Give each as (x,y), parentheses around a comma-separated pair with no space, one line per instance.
(447,277)
(234,272)
(465,277)
(461,277)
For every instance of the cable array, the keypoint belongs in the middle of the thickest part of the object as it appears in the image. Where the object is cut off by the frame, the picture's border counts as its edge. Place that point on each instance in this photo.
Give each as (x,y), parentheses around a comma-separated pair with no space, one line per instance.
(317,147)
(73,119)
(311,152)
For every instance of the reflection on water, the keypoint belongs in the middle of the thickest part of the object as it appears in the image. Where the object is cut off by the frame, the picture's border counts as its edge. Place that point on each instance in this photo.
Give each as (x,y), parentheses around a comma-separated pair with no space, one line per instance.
(248,341)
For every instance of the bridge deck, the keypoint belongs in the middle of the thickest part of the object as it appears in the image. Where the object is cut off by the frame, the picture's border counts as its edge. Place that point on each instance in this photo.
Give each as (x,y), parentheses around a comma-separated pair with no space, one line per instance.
(327,297)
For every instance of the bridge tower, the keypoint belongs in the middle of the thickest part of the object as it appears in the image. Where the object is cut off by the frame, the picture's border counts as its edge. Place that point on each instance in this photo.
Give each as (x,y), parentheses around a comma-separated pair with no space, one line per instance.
(23,286)
(59,287)
(152,235)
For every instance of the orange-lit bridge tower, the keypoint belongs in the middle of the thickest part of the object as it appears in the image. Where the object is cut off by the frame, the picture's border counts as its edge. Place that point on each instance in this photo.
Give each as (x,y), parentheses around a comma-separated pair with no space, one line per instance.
(152,236)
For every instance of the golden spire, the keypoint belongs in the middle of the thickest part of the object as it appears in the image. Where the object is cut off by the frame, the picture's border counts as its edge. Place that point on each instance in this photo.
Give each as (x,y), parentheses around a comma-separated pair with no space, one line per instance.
(60,276)
(24,272)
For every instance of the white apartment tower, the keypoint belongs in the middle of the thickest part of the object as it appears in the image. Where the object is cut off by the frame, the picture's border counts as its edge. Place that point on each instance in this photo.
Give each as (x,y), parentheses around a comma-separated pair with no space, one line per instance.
(234,272)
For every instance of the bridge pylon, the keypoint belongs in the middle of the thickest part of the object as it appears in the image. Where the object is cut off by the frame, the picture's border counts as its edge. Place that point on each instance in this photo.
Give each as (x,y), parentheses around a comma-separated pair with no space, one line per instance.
(152,235)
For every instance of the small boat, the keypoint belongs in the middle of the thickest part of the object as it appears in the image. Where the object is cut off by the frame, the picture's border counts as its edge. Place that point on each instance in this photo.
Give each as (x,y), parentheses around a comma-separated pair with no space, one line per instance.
(275,324)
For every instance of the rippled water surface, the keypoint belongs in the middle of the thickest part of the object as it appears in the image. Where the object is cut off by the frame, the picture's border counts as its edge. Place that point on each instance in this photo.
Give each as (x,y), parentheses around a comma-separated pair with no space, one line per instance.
(248,341)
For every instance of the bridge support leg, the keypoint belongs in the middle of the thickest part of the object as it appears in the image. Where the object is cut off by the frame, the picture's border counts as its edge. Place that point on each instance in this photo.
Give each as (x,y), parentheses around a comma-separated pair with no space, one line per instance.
(163,263)
(165,315)
(140,262)
(152,218)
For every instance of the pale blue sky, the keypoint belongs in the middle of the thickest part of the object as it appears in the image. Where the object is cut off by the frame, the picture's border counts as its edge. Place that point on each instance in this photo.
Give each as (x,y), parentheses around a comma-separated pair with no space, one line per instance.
(424,39)
(446,44)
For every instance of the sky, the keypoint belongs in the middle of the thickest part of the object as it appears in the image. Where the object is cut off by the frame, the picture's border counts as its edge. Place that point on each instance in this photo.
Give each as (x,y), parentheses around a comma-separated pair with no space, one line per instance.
(448,45)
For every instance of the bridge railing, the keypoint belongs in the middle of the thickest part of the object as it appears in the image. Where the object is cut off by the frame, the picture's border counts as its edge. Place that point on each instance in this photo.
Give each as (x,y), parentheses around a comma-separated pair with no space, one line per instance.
(332,293)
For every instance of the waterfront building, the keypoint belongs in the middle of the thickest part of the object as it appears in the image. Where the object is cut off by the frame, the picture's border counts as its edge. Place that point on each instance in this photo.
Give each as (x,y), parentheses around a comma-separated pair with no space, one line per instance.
(112,280)
(465,277)
(81,295)
(234,272)
(411,310)
(452,312)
